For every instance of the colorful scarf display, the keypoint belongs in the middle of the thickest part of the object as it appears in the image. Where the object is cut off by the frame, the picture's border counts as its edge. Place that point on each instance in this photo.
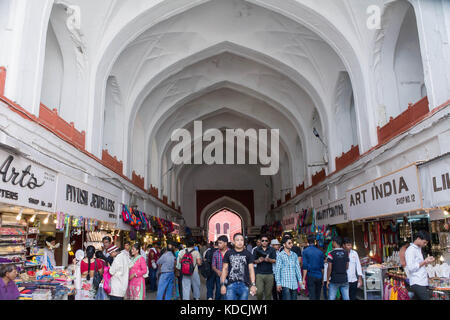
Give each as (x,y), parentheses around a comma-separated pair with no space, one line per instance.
(141,221)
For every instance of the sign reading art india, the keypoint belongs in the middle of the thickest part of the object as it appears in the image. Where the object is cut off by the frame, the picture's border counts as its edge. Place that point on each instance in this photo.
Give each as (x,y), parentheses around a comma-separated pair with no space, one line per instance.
(79,199)
(25,183)
(333,213)
(395,193)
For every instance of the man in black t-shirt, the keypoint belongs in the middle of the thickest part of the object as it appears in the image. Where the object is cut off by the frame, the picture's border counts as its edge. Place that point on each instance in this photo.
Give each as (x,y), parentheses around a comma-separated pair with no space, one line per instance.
(265,256)
(239,271)
(337,270)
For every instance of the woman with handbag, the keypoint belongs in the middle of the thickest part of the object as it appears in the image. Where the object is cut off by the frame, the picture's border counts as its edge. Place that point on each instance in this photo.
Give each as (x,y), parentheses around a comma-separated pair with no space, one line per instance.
(138,269)
(91,274)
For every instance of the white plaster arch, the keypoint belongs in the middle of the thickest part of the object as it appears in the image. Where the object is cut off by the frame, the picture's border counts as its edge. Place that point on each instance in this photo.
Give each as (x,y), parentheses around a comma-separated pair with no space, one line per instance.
(124,33)
(385,46)
(207,75)
(229,48)
(233,105)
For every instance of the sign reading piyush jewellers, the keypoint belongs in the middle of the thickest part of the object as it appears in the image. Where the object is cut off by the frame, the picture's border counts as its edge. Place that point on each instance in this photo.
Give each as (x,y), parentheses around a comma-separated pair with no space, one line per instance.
(25,183)
(79,199)
(395,193)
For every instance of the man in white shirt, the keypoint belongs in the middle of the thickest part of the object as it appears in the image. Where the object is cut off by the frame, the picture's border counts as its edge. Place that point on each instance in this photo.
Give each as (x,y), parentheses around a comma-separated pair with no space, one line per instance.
(119,273)
(415,265)
(354,271)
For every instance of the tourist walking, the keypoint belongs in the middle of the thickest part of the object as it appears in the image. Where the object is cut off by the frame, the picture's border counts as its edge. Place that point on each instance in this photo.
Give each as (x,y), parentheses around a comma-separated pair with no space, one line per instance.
(338,263)
(239,272)
(264,256)
(188,262)
(217,262)
(88,267)
(275,244)
(167,276)
(119,273)
(313,259)
(152,268)
(138,269)
(288,276)
(208,272)
(354,271)
(415,265)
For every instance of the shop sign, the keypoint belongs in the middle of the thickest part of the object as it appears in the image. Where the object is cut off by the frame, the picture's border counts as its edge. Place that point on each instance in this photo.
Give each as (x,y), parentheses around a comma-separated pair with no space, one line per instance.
(331,214)
(289,222)
(395,193)
(79,199)
(435,182)
(25,183)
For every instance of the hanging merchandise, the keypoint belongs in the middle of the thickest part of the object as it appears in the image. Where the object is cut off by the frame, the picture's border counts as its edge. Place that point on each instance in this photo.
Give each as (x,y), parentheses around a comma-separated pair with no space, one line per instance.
(67,221)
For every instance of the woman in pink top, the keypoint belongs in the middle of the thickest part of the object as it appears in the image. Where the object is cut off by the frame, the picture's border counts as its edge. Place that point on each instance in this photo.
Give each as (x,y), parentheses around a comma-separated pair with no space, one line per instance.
(138,268)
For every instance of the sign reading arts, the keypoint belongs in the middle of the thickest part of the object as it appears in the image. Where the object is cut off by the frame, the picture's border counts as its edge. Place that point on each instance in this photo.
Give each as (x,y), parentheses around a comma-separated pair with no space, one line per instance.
(395,193)
(25,183)
(77,198)
(435,182)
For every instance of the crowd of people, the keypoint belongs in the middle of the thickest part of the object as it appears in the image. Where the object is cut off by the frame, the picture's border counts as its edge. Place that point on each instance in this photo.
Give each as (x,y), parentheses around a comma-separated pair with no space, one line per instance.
(270,270)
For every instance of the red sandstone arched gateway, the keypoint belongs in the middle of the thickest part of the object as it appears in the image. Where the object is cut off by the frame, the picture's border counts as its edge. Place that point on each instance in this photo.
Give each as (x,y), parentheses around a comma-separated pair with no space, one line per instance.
(224,222)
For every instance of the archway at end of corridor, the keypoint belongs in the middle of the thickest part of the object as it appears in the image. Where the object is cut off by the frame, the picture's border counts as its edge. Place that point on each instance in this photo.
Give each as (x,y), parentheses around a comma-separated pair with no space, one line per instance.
(224,222)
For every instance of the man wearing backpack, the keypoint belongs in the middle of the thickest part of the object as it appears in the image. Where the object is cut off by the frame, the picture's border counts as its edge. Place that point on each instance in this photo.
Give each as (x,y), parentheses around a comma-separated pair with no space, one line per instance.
(188,261)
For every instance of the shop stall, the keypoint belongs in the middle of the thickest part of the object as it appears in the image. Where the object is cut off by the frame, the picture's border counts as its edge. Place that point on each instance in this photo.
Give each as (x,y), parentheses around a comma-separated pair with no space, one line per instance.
(389,211)
(435,186)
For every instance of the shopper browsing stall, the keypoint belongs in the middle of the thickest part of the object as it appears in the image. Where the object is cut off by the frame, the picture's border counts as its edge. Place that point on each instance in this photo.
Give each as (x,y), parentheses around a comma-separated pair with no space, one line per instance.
(119,273)
(415,265)
(354,271)
(8,289)
(138,268)
(89,266)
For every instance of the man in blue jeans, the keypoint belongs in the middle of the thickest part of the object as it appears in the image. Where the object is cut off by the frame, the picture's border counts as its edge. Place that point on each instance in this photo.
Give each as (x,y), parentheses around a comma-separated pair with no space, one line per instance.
(167,276)
(313,269)
(288,276)
(338,262)
(239,271)
(217,262)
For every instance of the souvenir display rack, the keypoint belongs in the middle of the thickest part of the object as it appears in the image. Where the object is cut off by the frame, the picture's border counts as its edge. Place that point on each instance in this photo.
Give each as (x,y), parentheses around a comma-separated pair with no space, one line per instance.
(13,237)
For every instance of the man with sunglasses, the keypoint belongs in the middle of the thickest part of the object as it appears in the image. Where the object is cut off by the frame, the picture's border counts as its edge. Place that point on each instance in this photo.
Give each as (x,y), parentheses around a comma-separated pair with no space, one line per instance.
(288,276)
(265,256)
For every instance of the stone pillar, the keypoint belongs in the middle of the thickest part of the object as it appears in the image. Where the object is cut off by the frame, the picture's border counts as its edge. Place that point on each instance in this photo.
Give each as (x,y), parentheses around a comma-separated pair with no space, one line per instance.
(26,51)
(433,24)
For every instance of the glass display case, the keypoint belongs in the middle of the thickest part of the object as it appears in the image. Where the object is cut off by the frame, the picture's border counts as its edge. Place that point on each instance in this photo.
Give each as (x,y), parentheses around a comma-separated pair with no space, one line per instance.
(373,283)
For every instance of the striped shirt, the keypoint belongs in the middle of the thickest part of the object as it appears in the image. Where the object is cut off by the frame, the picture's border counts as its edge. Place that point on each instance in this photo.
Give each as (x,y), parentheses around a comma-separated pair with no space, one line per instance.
(287,270)
(217,260)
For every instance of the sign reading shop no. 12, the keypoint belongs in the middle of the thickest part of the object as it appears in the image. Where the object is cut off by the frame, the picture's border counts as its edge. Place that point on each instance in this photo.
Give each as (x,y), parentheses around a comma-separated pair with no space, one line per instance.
(395,193)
